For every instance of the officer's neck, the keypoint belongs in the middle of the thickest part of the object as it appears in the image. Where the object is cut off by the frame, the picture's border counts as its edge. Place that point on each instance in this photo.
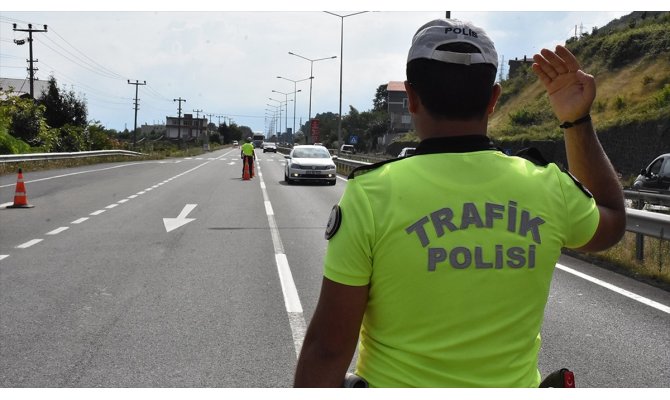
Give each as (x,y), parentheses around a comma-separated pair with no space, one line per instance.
(428,127)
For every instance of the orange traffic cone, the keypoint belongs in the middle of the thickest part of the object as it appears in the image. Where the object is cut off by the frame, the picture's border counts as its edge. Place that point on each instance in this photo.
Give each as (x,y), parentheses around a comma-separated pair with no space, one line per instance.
(20,197)
(246,175)
(251,169)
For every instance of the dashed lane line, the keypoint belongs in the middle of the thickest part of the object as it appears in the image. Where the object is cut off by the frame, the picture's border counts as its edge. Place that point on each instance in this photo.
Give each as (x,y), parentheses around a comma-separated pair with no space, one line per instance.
(29,243)
(58,230)
(94,213)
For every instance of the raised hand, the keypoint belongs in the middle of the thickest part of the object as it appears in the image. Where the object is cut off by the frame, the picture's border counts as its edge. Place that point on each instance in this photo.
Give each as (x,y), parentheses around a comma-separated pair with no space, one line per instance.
(571,91)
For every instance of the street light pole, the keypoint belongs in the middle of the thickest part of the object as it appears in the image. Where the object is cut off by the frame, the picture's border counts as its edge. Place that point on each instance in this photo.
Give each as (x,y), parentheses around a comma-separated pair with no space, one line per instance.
(339,117)
(311,79)
(294,94)
(286,114)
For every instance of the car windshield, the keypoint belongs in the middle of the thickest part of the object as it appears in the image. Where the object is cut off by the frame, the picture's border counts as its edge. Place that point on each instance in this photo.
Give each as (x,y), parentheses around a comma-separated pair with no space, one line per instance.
(311,153)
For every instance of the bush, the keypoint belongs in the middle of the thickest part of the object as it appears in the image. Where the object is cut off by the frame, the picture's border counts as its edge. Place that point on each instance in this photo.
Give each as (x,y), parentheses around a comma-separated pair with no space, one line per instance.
(663,97)
(524,117)
(619,103)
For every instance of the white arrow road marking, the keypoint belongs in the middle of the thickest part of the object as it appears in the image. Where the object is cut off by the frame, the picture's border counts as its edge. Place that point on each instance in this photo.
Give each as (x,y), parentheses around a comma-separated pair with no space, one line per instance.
(174,223)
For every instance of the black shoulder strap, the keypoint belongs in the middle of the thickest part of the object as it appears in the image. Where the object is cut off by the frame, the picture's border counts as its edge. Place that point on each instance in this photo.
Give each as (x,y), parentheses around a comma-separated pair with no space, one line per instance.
(367,168)
(533,155)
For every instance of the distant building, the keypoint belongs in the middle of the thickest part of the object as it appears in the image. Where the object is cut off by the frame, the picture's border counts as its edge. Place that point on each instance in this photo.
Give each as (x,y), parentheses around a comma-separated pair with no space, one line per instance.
(20,87)
(147,129)
(400,120)
(189,129)
(517,66)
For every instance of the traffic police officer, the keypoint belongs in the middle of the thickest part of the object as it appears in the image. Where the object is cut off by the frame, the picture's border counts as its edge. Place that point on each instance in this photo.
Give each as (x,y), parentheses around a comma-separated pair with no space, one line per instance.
(442,261)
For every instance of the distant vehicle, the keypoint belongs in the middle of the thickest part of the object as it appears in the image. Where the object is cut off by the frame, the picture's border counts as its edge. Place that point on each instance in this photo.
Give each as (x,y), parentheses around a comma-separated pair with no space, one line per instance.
(235,143)
(269,146)
(347,149)
(258,140)
(310,163)
(318,144)
(406,152)
(655,178)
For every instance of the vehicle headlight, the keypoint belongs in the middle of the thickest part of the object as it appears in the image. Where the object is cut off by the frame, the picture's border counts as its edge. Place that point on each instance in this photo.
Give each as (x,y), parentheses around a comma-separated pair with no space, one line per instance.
(296,166)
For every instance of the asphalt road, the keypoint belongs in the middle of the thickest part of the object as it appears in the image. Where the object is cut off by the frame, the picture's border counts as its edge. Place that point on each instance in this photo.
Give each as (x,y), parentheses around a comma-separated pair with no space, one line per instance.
(96,292)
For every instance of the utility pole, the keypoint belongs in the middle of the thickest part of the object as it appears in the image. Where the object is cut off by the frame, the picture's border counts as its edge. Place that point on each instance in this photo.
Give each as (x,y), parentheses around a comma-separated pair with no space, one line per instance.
(31,69)
(137,84)
(179,120)
(197,118)
(502,69)
(206,142)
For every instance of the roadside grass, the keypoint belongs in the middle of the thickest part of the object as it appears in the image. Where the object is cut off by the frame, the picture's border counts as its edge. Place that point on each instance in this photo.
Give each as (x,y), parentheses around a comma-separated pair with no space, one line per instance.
(654,267)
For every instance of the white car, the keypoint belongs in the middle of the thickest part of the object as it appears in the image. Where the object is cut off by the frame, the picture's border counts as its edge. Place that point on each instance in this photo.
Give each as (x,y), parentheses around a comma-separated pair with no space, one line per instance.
(310,163)
(406,152)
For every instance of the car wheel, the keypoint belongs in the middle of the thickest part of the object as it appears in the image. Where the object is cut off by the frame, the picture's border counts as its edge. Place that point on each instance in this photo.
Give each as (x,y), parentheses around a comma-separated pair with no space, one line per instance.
(287,179)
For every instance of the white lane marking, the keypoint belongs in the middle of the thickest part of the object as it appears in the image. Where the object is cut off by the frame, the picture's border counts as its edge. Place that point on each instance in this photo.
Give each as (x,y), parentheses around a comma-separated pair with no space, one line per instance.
(268,208)
(616,289)
(98,212)
(29,243)
(58,230)
(5,205)
(74,173)
(142,192)
(289,291)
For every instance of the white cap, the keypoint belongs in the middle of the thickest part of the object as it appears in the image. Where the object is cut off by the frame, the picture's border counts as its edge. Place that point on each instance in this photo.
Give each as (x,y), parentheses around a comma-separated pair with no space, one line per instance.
(442,31)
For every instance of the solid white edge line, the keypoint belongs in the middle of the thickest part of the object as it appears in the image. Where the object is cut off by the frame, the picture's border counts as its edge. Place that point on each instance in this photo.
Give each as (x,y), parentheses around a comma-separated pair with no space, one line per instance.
(268,208)
(616,289)
(29,243)
(288,286)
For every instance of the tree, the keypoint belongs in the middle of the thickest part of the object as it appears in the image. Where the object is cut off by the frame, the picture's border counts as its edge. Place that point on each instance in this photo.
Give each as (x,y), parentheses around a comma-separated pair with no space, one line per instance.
(62,108)
(380,102)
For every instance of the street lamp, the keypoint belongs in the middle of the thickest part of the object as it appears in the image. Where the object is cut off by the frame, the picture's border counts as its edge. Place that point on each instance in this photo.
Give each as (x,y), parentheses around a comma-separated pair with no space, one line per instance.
(311,76)
(339,117)
(294,92)
(286,114)
(277,109)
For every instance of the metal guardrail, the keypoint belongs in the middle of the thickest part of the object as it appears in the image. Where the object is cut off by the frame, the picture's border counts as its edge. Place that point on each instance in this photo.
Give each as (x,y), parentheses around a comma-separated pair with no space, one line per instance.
(7,158)
(648,197)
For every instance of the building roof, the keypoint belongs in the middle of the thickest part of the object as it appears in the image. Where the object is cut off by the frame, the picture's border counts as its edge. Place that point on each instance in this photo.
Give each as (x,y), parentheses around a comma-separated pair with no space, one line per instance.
(22,86)
(395,86)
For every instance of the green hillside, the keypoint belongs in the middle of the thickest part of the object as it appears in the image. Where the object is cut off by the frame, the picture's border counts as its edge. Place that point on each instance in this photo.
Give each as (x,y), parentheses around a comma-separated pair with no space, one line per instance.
(630,59)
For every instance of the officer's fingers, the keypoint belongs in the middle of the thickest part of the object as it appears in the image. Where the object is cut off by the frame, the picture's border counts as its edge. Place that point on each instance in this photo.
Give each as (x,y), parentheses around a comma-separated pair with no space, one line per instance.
(546,80)
(569,58)
(543,69)
(556,61)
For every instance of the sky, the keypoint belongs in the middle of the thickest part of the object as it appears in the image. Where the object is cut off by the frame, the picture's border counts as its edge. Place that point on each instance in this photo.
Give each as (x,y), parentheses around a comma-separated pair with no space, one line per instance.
(225,62)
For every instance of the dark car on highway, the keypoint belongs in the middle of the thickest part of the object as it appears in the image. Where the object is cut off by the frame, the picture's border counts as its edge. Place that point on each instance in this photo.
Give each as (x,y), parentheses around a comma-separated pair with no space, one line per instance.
(656,176)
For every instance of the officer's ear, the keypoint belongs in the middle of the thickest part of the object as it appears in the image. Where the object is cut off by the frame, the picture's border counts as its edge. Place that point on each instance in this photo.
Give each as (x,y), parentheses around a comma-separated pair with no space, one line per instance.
(495,95)
(412,98)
